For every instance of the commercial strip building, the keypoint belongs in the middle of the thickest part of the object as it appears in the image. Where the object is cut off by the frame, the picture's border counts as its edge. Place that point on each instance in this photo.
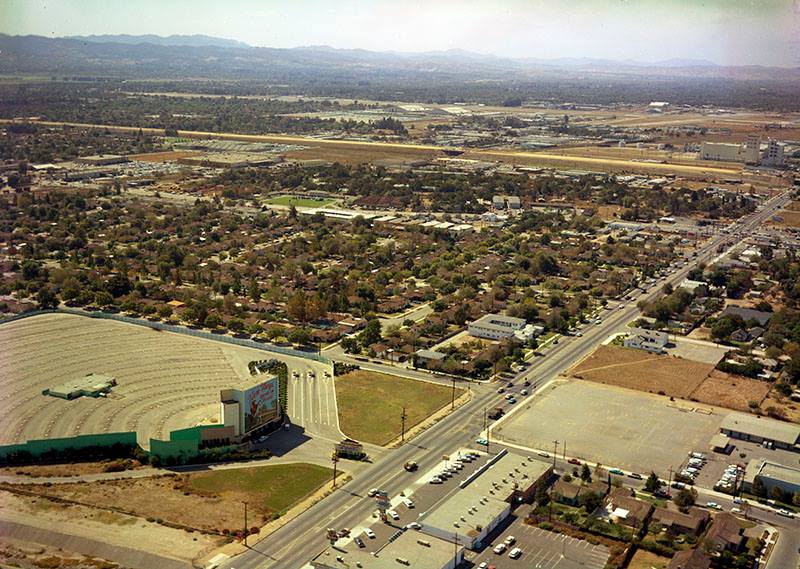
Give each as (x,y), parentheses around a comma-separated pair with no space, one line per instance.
(746,427)
(485,499)
(500,327)
(648,340)
(410,549)
(771,475)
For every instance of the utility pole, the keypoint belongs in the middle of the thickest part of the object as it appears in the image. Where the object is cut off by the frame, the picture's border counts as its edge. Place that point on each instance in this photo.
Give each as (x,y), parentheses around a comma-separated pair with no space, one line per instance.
(246,531)
(555,453)
(334,459)
(453,400)
(564,451)
(403,425)
(669,483)
(455,550)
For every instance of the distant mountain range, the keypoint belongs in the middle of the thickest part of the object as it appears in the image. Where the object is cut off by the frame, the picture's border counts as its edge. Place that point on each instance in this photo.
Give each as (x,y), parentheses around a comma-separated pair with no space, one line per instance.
(182,56)
(197,40)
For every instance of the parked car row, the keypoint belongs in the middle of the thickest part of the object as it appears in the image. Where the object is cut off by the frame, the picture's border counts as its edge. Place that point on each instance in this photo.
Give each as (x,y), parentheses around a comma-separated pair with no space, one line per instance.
(697,460)
(727,482)
(453,468)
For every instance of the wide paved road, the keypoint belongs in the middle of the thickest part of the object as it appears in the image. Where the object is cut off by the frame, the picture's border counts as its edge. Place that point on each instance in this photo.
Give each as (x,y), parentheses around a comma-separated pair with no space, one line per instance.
(293,545)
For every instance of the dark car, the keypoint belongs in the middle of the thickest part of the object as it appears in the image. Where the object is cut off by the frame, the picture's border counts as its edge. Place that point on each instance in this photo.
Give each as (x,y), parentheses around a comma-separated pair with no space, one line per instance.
(359,542)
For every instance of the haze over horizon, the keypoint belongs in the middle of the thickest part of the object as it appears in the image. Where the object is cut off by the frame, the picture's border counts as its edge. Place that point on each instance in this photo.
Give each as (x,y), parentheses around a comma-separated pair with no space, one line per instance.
(746,32)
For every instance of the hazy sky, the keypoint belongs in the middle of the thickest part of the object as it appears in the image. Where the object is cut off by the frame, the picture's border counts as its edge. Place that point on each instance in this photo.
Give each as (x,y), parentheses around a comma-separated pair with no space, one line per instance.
(733,32)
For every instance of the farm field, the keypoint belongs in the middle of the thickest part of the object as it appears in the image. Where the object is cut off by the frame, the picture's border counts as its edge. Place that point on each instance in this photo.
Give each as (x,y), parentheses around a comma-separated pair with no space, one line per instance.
(643,371)
(165,381)
(370,404)
(208,501)
(298,201)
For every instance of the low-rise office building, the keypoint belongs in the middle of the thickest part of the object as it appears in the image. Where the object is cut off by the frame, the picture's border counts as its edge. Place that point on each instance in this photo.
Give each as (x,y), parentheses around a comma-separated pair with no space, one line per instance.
(500,327)
(772,475)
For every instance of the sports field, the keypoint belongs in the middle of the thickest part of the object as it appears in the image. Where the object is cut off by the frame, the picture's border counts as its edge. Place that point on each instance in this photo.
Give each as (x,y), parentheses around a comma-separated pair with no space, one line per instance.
(299,202)
(165,381)
(370,404)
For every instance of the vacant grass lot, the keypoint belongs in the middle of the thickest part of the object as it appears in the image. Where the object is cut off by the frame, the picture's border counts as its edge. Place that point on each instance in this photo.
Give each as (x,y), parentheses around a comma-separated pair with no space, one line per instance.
(272,489)
(299,202)
(370,404)
(646,560)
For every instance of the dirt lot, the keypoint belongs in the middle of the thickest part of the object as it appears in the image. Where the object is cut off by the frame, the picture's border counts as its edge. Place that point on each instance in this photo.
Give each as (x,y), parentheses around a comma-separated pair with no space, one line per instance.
(789,216)
(14,553)
(643,371)
(209,501)
(730,391)
(111,528)
(71,469)
(789,407)
(645,560)
(370,404)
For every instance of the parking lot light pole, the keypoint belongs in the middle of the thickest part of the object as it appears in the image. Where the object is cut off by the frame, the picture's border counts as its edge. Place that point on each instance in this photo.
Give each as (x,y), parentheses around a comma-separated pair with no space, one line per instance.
(555,453)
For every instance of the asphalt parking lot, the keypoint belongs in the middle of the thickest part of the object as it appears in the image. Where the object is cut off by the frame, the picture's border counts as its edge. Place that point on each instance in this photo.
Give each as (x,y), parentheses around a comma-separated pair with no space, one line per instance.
(705,352)
(543,550)
(716,462)
(614,426)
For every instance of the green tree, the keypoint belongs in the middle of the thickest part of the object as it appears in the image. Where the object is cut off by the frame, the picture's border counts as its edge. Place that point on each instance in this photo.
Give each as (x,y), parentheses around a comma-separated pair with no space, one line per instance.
(46,298)
(165,311)
(350,345)
(213,320)
(371,333)
(685,498)
(300,336)
(586,473)
(652,484)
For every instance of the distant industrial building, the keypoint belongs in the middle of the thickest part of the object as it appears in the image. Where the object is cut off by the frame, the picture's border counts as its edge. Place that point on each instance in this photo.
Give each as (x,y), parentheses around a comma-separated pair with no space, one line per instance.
(102,160)
(648,340)
(229,160)
(92,385)
(749,153)
(746,427)
(500,327)
(771,475)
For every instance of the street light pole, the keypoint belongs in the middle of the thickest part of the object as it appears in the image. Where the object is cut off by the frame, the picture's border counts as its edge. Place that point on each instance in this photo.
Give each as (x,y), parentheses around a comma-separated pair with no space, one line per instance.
(245,524)
(334,459)
(453,400)
(555,453)
(403,425)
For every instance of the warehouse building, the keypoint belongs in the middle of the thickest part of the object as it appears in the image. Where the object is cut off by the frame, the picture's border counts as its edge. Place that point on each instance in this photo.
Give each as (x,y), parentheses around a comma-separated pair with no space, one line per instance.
(772,474)
(760,430)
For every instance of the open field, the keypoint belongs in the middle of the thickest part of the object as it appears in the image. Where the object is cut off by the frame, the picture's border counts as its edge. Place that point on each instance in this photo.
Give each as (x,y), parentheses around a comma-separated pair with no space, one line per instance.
(210,501)
(299,202)
(707,352)
(165,381)
(370,404)
(789,216)
(270,489)
(617,427)
(645,560)
(730,391)
(643,371)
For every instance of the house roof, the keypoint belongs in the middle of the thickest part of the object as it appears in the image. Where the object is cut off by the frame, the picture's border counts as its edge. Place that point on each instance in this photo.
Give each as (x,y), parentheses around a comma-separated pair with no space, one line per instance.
(690,559)
(622,499)
(693,520)
(725,530)
(747,314)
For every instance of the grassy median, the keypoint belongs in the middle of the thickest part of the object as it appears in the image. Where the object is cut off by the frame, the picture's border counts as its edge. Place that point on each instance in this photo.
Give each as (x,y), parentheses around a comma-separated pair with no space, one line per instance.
(370,404)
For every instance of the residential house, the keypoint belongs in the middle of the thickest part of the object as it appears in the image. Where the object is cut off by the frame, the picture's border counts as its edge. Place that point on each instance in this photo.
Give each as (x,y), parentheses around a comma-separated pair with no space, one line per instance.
(677,523)
(725,534)
(748,314)
(690,559)
(625,509)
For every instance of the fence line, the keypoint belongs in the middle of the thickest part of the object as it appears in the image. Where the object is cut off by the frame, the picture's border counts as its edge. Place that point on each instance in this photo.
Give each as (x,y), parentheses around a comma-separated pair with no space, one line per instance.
(178,329)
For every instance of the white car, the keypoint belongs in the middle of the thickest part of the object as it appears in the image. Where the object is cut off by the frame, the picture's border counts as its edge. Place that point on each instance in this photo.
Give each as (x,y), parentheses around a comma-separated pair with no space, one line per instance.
(369,533)
(785,513)
(483,565)
(515,553)
(435,480)
(394,515)
(510,540)
(413,525)
(499,548)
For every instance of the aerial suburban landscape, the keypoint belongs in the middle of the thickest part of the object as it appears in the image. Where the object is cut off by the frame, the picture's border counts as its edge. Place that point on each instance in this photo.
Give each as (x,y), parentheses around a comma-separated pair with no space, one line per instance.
(479,285)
